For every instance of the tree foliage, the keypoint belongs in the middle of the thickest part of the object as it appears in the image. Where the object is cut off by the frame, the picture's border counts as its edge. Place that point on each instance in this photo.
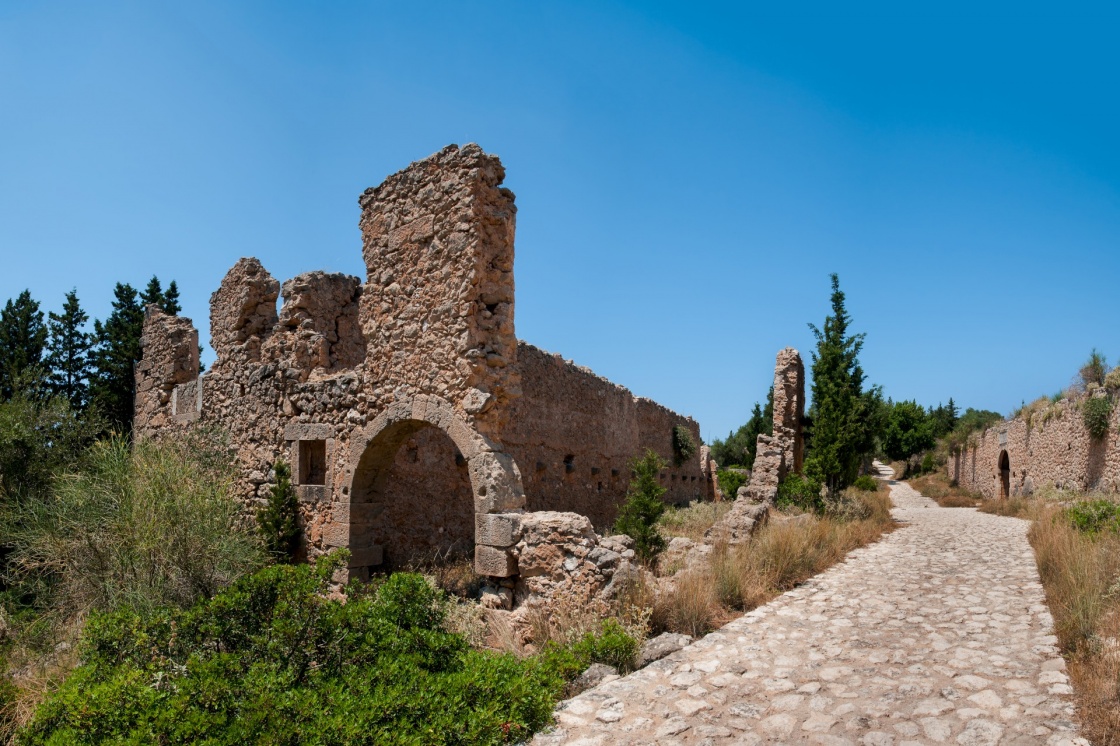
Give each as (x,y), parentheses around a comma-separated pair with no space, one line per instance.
(637,517)
(845,418)
(69,351)
(23,338)
(741,446)
(279,518)
(118,348)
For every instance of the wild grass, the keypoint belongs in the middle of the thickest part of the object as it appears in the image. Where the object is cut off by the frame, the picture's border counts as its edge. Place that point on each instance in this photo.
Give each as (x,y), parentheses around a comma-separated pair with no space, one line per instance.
(140,527)
(693,521)
(783,554)
(937,486)
(1080,572)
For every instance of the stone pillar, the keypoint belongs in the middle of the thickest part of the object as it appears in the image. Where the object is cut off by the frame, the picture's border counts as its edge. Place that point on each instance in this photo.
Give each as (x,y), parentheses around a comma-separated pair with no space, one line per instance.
(789,408)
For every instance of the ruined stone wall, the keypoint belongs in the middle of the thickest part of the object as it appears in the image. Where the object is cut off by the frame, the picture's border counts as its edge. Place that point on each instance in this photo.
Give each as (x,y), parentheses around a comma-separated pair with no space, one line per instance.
(399,401)
(573,434)
(1047,447)
(437,310)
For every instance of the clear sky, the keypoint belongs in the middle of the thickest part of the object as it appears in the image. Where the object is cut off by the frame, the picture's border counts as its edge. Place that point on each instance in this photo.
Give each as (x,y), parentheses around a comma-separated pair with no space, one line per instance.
(687,174)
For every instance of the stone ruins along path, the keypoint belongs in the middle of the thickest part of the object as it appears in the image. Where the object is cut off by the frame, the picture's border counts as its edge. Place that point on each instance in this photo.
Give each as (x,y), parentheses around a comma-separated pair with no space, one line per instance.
(938,633)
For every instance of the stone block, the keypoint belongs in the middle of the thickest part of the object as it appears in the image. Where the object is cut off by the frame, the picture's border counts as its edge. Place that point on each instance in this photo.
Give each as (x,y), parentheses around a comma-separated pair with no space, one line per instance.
(497,529)
(497,483)
(308,431)
(498,563)
(336,534)
(366,556)
(314,493)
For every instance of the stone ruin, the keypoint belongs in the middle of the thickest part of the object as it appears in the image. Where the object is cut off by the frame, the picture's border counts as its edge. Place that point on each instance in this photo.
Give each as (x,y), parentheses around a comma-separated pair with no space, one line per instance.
(778,455)
(415,422)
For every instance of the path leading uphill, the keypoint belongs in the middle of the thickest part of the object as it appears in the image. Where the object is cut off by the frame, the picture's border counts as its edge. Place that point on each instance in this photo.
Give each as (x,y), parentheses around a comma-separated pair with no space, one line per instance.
(938,633)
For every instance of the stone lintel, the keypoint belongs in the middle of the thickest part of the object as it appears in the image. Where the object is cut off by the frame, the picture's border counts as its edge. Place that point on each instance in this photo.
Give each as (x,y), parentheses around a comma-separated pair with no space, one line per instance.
(308,431)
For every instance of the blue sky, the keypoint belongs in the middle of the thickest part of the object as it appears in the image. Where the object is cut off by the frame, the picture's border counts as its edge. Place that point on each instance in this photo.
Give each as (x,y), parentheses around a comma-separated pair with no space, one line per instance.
(686,178)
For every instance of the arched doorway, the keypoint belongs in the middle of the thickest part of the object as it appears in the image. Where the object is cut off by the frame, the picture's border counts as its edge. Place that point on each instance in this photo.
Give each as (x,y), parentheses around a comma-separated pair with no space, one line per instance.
(423,480)
(1004,475)
(411,501)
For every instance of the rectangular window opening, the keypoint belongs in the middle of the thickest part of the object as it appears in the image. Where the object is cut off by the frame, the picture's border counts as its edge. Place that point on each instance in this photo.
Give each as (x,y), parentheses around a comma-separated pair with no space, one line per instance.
(313,462)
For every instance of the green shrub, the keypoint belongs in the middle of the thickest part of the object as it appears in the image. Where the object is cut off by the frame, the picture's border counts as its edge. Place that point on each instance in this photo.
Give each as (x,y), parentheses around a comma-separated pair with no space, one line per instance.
(612,646)
(141,526)
(730,482)
(1096,412)
(928,463)
(274,660)
(801,493)
(279,518)
(684,447)
(637,518)
(1094,516)
(866,483)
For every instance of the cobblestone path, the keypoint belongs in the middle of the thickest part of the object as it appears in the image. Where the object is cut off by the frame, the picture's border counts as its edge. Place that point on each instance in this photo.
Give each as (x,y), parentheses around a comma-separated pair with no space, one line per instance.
(936,634)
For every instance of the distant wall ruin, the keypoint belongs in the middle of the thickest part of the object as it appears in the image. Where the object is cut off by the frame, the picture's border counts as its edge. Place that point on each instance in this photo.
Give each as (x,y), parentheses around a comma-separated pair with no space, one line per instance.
(414,420)
(1040,448)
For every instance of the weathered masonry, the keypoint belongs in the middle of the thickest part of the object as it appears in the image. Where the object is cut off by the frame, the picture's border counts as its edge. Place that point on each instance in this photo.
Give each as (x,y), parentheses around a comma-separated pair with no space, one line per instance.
(1038,448)
(413,418)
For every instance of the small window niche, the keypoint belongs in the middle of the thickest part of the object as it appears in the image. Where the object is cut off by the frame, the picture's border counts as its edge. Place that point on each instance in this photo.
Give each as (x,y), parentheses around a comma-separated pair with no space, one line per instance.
(313,462)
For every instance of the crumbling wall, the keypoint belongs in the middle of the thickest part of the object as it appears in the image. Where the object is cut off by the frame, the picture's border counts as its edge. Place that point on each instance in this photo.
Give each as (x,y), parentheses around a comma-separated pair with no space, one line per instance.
(1051,447)
(574,434)
(437,310)
(169,349)
(398,401)
(777,454)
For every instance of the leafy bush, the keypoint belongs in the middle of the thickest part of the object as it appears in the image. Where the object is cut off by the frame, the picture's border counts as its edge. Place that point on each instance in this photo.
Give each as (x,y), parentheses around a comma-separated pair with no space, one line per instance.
(144,526)
(800,492)
(684,447)
(730,482)
(637,518)
(274,660)
(866,482)
(279,518)
(1096,413)
(612,646)
(1094,516)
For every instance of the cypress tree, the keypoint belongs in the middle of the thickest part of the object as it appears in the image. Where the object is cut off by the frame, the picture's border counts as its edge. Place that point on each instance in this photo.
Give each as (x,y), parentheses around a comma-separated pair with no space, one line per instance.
(68,353)
(279,518)
(117,351)
(637,518)
(844,416)
(23,337)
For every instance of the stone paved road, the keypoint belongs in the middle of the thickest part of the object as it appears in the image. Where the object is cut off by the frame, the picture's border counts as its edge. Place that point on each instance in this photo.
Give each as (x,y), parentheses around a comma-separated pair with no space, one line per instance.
(937,634)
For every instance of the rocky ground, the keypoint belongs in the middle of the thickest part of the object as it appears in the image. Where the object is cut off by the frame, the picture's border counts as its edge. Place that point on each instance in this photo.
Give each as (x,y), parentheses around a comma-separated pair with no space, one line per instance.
(939,633)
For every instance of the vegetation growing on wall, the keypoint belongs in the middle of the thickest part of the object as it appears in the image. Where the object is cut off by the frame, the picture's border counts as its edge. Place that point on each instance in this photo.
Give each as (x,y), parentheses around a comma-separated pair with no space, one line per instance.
(684,447)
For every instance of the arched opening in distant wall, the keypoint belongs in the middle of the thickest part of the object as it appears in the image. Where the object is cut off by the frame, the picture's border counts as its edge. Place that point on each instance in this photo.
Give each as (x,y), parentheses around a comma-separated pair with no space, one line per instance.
(411,502)
(1004,475)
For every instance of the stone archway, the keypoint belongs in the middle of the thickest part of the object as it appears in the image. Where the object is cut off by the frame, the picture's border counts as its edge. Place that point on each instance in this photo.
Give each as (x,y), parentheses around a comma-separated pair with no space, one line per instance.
(1004,475)
(495,484)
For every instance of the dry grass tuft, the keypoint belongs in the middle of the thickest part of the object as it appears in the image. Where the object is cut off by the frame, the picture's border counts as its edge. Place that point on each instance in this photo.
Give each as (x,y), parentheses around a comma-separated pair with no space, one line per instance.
(1081,575)
(783,554)
(693,521)
(937,486)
